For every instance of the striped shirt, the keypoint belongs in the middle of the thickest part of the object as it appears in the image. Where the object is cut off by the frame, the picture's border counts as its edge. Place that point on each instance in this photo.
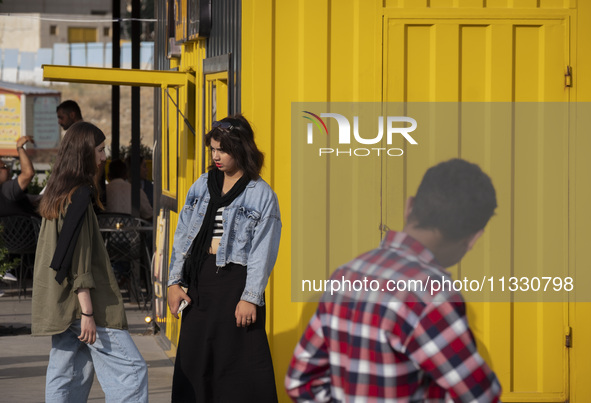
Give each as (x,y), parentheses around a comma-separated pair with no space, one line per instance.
(218,228)
(377,346)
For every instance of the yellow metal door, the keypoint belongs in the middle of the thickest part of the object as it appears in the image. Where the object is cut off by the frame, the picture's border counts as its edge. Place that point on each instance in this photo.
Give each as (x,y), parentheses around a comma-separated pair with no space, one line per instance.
(447,69)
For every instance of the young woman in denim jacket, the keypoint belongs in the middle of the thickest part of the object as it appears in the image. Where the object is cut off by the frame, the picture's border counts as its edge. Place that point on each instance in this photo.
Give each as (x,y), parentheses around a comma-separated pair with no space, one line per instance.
(225,247)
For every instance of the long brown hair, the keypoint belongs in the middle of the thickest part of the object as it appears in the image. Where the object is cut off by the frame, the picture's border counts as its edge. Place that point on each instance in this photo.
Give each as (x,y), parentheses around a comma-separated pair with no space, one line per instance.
(238,141)
(75,166)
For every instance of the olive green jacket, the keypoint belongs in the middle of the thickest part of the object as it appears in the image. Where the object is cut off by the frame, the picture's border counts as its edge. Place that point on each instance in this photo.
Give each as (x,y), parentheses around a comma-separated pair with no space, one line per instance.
(56,306)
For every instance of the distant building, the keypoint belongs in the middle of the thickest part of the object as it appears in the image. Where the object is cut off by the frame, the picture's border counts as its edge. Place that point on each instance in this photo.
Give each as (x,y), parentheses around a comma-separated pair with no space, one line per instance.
(64,32)
(86,7)
(30,32)
(38,24)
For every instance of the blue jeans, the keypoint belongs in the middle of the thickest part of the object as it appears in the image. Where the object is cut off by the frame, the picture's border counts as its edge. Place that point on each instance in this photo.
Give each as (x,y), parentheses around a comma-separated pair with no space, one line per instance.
(120,368)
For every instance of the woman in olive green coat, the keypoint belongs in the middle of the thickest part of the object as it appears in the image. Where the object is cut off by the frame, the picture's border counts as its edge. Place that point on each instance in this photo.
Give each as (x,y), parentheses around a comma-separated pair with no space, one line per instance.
(76,299)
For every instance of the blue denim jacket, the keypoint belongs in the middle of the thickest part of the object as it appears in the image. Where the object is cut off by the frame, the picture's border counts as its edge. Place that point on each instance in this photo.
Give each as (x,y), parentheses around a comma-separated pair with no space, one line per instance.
(252,228)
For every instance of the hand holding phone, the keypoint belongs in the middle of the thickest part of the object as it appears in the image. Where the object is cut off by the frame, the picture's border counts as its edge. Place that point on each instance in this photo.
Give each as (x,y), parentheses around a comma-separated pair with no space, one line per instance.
(182,306)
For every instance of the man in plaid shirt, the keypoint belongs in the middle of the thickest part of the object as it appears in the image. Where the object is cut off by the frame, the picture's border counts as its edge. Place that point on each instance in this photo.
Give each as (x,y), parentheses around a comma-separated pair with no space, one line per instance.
(407,344)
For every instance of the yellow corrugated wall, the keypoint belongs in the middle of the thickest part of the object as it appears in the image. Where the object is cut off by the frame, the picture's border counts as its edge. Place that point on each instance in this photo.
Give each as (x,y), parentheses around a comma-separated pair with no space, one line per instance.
(441,51)
(290,54)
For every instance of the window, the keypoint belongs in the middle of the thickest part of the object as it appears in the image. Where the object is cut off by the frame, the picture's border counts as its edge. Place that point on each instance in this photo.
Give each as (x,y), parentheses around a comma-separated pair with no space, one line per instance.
(81,35)
(106,31)
(53,30)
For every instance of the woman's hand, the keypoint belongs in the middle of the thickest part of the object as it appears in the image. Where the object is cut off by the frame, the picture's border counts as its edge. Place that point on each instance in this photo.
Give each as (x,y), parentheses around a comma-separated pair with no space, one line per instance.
(87,325)
(246,313)
(175,295)
(88,333)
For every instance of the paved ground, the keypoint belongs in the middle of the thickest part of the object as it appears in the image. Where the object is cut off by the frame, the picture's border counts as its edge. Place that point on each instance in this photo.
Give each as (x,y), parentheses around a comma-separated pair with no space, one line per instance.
(23,359)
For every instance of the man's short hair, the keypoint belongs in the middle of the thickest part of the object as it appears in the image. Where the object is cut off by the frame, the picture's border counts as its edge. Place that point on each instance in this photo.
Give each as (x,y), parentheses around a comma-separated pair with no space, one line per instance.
(70,106)
(456,198)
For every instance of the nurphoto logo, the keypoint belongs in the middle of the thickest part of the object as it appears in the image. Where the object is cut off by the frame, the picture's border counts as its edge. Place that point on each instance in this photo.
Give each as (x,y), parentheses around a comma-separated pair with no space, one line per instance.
(344,138)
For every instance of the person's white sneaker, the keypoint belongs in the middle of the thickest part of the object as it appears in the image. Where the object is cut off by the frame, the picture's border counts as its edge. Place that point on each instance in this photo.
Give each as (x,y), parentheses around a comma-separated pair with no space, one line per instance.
(8,277)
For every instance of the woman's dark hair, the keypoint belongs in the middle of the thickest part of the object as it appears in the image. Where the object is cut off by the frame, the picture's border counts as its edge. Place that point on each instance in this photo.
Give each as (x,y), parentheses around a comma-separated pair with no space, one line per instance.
(238,141)
(74,166)
(456,198)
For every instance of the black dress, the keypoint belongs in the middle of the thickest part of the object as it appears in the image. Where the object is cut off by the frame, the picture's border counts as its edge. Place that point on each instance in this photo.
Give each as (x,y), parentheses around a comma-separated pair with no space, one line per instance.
(217,361)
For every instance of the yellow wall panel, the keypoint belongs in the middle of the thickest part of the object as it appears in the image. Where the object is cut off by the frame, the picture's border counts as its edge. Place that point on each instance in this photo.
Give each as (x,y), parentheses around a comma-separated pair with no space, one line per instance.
(315,51)
(475,65)
(580,236)
(309,64)
(500,85)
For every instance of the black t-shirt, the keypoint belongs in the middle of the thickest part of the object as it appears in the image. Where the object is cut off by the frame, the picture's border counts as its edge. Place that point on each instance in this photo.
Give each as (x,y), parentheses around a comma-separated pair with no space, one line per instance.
(14,200)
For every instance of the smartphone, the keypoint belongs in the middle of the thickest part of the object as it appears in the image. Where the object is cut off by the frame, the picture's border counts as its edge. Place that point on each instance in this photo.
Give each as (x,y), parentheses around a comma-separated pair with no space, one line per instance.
(182,306)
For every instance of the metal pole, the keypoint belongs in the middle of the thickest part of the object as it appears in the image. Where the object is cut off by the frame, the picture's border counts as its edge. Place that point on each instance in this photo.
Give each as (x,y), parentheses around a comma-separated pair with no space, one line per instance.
(135,111)
(115,89)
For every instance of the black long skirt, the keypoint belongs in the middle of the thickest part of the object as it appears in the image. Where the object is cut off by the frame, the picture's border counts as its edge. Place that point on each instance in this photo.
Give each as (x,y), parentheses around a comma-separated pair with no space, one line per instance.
(217,361)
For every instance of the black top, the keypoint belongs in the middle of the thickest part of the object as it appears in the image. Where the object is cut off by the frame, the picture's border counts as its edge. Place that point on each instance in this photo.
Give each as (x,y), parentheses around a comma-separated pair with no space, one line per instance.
(14,200)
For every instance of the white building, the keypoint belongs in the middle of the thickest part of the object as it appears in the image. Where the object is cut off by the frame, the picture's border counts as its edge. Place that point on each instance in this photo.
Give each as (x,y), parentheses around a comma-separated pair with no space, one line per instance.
(65,32)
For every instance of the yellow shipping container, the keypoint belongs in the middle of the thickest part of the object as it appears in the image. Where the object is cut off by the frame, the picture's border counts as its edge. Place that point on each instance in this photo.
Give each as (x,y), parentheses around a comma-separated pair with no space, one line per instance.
(464,69)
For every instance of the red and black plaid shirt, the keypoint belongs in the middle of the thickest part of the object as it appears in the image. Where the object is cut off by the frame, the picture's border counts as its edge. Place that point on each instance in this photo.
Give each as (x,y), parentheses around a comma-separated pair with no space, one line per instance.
(375,346)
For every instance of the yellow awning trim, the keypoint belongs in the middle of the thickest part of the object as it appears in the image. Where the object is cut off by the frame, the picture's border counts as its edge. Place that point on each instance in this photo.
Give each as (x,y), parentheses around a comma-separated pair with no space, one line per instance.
(111,76)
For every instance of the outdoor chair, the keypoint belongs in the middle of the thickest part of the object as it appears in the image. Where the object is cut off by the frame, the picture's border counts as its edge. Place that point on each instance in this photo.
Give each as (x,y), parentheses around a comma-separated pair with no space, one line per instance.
(124,240)
(19,236)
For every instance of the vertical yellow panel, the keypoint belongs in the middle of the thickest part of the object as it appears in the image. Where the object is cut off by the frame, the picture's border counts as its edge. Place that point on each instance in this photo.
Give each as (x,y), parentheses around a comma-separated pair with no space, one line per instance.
(319,52)
(353,182)
(222,98)
(500,85)
(169,142)
(475,62)
(579,204)
(198,56)
(395,48)
(527,58)
(419,76)
(485,134)
(444,66)
(428,51)
(420,65)
(283,61)
(540,211)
